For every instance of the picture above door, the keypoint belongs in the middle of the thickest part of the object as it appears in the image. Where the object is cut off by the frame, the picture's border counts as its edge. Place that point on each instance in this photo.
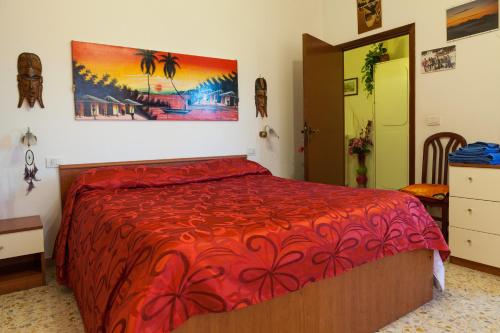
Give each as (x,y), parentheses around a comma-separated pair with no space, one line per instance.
(369,15)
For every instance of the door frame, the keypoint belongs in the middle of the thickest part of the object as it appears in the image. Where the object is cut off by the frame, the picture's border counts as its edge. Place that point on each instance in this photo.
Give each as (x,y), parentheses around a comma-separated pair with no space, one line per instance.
(380,37)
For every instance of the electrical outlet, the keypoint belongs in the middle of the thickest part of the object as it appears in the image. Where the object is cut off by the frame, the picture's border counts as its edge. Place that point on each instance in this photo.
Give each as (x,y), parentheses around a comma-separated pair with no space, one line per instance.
(433,120)
(250,151)
(53,162)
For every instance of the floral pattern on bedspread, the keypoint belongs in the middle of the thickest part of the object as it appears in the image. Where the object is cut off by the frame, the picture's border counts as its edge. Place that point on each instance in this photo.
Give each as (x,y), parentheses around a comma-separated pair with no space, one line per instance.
(145,248)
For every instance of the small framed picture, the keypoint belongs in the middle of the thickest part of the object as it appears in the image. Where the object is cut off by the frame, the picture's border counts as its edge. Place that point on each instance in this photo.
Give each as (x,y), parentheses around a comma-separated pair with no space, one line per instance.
(472,18)
(369,15)
(351,87)
(441,59)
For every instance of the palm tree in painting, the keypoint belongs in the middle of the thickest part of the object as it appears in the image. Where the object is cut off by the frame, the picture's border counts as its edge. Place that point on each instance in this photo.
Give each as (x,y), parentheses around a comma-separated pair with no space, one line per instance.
(104,79)
(148,65)
(78,68)
(87,74)
(93,78)
(170,65)
(113,83)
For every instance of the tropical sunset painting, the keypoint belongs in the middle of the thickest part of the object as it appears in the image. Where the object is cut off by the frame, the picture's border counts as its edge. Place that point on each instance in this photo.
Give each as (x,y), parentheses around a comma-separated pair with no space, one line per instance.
(472,18)
(122,83)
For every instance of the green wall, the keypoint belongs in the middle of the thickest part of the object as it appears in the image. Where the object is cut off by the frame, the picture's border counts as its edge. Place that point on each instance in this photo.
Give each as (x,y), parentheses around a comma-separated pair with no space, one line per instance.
(360,108)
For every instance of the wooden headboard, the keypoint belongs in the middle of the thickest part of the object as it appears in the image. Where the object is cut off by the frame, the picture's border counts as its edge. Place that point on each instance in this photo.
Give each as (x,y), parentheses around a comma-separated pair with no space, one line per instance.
(69,172)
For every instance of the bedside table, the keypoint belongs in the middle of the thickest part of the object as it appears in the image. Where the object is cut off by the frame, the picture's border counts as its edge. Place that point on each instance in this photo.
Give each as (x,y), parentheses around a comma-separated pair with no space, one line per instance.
(22,260)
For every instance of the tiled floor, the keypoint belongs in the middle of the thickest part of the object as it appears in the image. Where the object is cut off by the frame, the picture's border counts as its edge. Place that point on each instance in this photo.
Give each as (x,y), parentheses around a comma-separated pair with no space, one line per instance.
(471,303)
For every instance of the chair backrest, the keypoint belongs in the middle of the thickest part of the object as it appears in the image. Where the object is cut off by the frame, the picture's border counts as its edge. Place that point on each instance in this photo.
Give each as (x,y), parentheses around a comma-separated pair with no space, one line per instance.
(434,146)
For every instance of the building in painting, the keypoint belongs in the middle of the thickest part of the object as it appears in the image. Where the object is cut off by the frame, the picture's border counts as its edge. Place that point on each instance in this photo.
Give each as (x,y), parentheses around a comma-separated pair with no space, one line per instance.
(229,98)
(90,106)
(131,106)
(115,107)
(215,97)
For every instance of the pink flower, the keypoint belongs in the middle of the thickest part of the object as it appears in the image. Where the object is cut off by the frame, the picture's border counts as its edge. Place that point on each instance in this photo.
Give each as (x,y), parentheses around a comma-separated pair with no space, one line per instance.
(361,144)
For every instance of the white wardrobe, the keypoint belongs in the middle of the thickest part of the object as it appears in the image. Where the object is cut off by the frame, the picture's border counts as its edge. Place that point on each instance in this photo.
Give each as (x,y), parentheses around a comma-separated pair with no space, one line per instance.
(391,124)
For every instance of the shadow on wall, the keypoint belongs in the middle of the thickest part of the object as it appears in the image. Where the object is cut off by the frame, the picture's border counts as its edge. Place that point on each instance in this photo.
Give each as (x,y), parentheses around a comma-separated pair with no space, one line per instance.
(11,162)
(53,215)
(298,120)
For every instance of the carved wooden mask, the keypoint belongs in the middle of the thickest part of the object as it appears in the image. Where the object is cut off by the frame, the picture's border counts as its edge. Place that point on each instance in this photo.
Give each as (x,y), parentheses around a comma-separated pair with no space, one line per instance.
(29,79)
(261,97)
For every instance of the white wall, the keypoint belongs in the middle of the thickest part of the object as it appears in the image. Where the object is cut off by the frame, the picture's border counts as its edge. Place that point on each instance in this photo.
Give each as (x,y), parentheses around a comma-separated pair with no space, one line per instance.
(467,98)
(265,37)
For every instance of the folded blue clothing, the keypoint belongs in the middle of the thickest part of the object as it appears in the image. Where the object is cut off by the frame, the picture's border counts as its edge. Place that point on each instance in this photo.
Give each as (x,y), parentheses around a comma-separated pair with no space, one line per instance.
(477,151)
(481,144)
(482,159)
(476,161)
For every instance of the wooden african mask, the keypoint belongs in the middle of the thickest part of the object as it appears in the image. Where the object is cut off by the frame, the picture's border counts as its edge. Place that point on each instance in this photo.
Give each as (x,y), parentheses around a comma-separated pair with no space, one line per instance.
(261,97)
(29,79)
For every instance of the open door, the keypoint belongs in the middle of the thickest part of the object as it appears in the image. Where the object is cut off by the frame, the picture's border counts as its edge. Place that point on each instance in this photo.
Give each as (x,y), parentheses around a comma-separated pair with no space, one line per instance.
(323,112)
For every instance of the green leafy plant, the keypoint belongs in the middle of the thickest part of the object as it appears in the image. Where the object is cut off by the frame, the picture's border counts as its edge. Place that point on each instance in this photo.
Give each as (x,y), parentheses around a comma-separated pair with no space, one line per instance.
(372,57)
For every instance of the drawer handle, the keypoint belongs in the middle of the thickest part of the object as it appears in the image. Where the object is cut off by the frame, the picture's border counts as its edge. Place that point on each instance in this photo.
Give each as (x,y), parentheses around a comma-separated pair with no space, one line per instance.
(469,242)
(470,179)
(469,210)
(1,247)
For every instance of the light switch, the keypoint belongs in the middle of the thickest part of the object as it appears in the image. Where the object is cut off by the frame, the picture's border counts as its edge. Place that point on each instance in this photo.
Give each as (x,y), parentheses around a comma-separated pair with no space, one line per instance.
(433,120)
(53,162)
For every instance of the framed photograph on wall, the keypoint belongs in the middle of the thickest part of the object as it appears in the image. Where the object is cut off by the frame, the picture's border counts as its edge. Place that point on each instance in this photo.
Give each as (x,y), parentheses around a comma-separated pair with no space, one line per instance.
(442,59)
(351,87)
(369,15)
(471,19)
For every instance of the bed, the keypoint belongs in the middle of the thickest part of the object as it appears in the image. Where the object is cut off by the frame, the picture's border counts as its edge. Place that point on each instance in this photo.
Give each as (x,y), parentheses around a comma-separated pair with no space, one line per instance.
(220,245)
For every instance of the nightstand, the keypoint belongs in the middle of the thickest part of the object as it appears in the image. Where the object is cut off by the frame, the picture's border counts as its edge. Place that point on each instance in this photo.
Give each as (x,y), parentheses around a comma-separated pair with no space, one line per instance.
(22,260)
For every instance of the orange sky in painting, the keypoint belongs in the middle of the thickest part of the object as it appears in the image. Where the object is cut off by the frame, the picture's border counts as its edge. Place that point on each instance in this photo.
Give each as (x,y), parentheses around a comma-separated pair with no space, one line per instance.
(122,63)
(476,12)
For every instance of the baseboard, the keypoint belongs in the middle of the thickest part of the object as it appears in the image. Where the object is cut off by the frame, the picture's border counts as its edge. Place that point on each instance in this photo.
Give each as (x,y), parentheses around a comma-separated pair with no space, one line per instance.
(475,265)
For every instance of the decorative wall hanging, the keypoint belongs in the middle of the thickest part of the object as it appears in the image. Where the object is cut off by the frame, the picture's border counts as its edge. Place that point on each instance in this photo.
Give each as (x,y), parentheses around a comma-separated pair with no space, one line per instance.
(351,87)
(112,82)
(30,168)
(261,97)
(472,18)
(441,59)
(29,79)
(369,15)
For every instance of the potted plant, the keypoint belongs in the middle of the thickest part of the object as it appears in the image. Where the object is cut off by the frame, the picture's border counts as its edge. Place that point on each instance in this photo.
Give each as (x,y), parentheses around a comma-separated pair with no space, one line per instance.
(377,54)
(360,146)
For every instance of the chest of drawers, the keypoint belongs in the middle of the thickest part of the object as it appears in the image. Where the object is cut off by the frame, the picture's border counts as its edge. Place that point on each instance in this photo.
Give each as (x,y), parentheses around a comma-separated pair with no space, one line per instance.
(22,261)
(475,216)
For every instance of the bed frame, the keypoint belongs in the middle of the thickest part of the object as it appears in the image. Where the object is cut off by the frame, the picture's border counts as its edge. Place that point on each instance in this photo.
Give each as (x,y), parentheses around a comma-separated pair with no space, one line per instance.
(364,299)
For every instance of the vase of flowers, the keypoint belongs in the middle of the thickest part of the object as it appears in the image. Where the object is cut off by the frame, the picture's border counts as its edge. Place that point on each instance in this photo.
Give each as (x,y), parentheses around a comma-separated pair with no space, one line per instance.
(360,147)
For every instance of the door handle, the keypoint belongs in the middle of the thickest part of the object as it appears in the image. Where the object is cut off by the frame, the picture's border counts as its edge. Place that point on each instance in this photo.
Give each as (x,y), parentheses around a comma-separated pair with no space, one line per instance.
(313,130)
(308,131)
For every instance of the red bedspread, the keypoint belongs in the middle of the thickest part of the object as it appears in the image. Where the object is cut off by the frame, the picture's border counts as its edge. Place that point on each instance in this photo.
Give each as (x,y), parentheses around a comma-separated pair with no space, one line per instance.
(145,248)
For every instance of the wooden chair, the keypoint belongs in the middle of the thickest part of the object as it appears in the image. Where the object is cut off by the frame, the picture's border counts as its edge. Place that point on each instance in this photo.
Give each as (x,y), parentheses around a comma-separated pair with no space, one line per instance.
(438,146)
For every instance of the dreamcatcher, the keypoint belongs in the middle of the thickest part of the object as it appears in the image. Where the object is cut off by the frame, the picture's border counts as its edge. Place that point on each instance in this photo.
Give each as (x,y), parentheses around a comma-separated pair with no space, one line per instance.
(30,168)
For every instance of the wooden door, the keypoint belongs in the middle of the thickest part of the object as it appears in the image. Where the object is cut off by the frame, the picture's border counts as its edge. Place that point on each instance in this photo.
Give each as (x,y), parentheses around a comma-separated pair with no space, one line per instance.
(323,112)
